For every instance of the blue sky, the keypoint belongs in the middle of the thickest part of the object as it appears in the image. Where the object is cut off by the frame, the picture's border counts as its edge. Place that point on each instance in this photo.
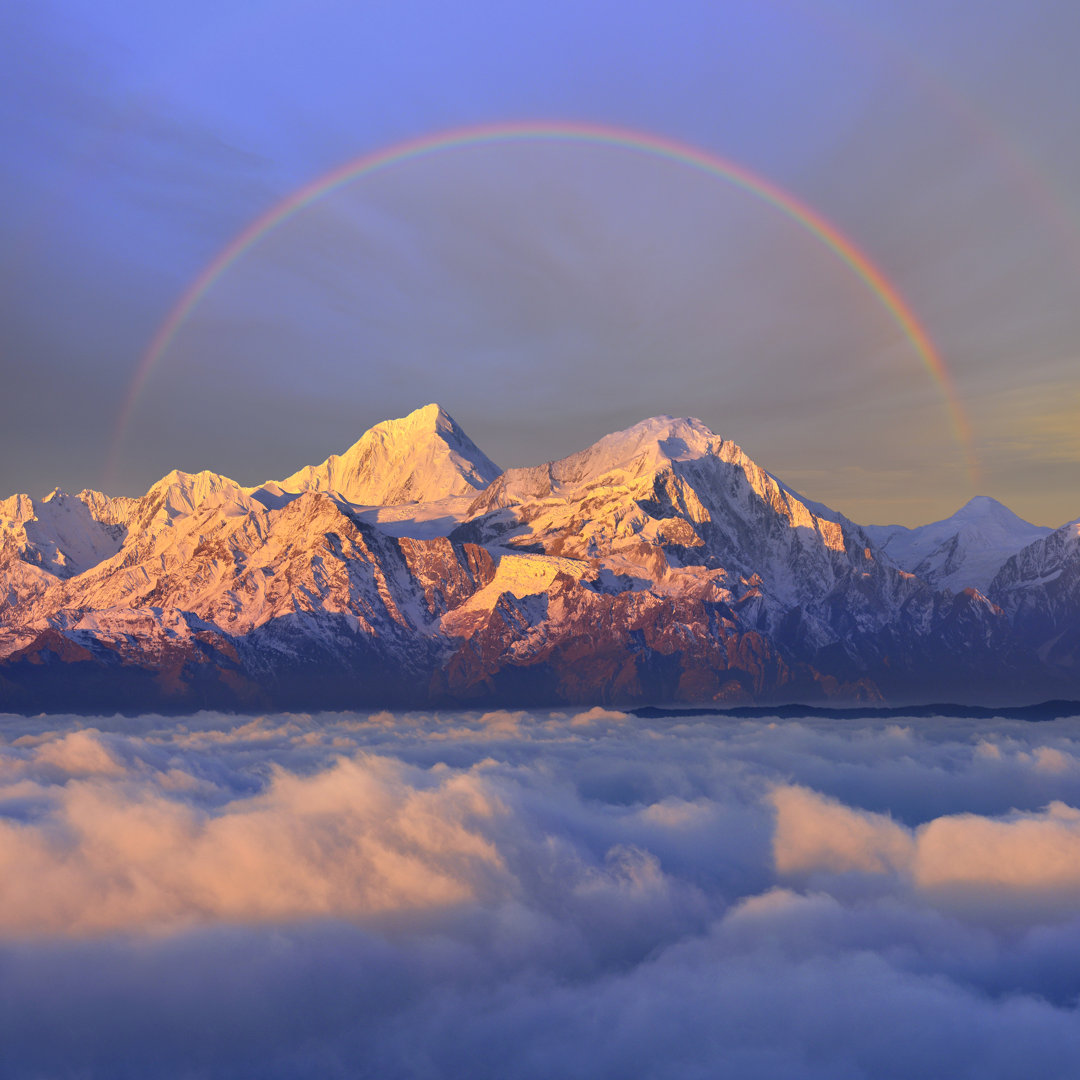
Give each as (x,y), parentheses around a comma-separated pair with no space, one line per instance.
(545,294)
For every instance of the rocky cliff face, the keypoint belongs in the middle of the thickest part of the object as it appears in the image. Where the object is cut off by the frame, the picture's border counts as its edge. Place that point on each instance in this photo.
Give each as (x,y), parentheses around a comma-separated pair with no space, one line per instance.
(659,565)
(1038,588)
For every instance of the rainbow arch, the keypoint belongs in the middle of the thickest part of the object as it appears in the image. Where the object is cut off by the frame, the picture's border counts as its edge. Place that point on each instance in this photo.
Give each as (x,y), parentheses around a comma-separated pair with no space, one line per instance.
(682,153)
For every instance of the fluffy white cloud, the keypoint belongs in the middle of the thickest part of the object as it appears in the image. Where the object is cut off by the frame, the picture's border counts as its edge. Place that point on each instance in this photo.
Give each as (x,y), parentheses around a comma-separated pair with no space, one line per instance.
(980,862)
(521,896)
(1018,853)
(363,837)
(817,833)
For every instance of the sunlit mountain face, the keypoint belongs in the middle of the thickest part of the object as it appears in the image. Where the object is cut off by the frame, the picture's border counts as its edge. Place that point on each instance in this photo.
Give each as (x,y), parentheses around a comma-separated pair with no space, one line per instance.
(659,565)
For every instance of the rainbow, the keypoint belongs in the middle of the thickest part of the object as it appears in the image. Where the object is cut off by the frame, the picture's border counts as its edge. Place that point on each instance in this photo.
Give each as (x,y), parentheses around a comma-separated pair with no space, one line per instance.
(660,146)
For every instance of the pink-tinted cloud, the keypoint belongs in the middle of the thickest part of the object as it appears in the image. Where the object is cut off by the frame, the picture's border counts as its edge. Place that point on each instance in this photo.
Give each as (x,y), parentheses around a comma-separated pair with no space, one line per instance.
(525,896)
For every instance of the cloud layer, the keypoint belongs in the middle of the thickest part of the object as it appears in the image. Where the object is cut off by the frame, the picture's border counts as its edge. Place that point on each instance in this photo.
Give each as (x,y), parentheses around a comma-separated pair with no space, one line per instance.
(522,895)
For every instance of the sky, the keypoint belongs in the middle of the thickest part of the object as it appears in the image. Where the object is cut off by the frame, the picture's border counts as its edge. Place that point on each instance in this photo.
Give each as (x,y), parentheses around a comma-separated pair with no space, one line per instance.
(516,895)
(547,291)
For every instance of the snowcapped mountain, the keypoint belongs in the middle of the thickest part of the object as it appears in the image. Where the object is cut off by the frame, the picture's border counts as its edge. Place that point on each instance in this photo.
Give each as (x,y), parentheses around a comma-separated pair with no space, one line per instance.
(1039,589)
(665,486)
(420,458)
(963,551)
(60,533)
(659,564)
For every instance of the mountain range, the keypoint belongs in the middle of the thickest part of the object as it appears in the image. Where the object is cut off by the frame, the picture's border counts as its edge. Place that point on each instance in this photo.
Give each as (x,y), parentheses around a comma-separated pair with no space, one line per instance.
(659,565)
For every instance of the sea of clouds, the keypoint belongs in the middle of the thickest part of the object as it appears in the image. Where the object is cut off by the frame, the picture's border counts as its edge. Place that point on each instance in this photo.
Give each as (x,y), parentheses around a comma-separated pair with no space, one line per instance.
(538,895)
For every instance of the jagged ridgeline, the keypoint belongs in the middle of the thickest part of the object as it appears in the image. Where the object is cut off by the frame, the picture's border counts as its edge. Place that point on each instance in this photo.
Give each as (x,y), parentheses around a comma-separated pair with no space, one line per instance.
(660,565)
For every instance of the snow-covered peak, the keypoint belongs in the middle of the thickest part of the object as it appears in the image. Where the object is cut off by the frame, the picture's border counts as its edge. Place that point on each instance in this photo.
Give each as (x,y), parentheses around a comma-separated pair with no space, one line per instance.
(988,512)
(1042,563)
(178,494)
(59,533)
(16,509)
(644,446)
(422,457)
(617,459)
(667,483)
(108,510)
(964,550)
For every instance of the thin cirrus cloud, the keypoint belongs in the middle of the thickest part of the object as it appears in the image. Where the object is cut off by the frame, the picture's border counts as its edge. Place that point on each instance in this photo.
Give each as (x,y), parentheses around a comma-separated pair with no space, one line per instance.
(432,894)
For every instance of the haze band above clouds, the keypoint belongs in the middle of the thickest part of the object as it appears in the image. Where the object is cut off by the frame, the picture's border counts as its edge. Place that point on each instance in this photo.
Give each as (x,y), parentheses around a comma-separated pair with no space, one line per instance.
(535,895)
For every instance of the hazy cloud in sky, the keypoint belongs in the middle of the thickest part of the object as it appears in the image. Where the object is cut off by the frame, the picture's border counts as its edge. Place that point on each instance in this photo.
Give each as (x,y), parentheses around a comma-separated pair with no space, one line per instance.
(544,294)
(516,894)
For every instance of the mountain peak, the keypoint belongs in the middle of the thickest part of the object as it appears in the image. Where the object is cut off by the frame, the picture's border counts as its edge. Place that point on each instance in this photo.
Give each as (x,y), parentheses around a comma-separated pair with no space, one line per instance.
(620,463)
(431,415)
(426,422)
(677,436)
(58,533)
(422,457)
(983,507)
(179,493)
(643,446)
(964,550)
